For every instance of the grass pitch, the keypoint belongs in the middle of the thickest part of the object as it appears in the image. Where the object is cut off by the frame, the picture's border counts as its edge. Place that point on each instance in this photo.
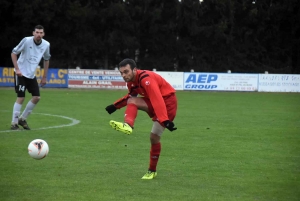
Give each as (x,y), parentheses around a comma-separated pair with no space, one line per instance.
(229,146)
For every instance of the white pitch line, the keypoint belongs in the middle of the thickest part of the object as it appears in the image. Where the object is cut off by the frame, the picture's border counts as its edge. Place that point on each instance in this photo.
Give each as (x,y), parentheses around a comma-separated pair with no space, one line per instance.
(74,122)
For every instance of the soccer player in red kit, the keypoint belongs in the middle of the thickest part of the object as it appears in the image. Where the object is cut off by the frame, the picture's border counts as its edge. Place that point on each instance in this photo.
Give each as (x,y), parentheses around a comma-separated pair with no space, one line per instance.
(158,99)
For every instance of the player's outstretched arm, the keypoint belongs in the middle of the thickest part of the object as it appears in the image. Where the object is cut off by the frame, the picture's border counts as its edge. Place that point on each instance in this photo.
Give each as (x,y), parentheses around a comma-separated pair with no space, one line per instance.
(122,102)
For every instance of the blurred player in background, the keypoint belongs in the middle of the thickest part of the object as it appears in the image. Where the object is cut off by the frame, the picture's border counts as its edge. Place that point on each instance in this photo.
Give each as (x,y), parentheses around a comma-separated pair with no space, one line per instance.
(158,100)
(32,49)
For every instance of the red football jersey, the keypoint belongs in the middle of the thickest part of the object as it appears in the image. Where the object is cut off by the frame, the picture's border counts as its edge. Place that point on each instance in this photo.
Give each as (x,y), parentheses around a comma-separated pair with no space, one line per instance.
(150,85)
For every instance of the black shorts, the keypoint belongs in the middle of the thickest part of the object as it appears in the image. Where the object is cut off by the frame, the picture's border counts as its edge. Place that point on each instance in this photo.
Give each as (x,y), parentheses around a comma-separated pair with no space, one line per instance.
(23,83)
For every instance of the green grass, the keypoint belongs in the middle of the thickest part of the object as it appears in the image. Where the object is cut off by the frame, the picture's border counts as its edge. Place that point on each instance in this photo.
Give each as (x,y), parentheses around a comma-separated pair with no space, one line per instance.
(229,146)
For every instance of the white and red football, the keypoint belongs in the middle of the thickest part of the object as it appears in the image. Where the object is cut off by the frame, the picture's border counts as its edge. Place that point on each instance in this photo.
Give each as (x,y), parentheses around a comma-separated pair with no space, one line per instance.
(38,149)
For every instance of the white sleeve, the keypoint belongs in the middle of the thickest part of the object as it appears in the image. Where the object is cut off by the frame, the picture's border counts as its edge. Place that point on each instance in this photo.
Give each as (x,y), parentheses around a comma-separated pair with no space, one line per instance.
(47,55)
(20,47)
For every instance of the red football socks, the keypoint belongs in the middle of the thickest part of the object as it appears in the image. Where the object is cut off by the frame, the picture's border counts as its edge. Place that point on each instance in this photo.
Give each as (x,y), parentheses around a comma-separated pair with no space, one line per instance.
(130,114)
(154,156)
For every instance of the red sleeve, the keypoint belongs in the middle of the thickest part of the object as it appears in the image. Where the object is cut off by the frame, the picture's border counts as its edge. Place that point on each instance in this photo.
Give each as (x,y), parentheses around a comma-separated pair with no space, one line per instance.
(151,86)
(122,102)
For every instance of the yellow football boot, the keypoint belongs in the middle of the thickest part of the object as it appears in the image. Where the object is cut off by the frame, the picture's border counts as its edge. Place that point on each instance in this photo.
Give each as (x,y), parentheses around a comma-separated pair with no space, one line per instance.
(119,126)
(149,175)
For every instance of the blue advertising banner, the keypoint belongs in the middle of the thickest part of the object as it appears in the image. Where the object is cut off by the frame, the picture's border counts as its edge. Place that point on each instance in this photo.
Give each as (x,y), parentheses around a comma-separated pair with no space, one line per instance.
(56,78)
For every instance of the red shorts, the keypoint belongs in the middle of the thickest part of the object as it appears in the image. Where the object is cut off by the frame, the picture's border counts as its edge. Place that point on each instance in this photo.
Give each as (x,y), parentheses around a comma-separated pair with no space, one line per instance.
(171,105)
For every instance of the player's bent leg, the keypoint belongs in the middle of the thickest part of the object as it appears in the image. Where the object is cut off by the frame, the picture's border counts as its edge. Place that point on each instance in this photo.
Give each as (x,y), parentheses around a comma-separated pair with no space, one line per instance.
(35,99)
(120,126)
(139,102)
(27,111)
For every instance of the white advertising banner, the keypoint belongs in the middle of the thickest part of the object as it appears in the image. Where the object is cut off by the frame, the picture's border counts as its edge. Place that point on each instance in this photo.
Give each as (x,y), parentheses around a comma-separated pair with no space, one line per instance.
(220,81)
(174,78)
(279,83)
(95,79)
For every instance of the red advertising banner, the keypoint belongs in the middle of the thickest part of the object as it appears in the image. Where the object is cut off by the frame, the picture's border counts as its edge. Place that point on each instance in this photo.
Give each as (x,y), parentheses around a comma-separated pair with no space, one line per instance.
(99,79)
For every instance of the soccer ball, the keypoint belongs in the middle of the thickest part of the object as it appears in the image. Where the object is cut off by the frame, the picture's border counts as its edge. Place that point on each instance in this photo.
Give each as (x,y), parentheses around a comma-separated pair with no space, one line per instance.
(38,149)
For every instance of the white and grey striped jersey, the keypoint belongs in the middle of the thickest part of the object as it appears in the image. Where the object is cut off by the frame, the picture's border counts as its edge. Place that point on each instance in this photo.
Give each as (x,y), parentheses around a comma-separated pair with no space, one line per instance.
(31,55)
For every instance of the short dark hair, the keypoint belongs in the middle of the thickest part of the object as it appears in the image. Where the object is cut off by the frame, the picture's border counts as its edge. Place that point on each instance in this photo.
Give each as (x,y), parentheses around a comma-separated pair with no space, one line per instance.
(131,63)
(38,27)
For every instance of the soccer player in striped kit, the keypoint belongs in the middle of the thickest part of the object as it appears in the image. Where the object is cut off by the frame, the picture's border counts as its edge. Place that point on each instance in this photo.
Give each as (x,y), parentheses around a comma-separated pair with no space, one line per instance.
(158,99)
(31,50)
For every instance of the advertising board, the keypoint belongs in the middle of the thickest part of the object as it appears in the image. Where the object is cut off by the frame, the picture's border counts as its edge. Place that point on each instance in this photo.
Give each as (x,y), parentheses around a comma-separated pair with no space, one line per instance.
(174,78)
(96,79)
(56,78)
(279,83)
(220,81)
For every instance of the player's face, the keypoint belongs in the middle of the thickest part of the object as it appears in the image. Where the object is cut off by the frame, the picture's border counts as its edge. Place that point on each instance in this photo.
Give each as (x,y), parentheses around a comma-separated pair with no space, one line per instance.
(127,74)
(38,34)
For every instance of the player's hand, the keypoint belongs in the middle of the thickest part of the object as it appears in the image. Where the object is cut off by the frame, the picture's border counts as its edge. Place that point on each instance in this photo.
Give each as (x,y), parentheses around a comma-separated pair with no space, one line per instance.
(111,109)
(169,125)
(43,81)
(18,73)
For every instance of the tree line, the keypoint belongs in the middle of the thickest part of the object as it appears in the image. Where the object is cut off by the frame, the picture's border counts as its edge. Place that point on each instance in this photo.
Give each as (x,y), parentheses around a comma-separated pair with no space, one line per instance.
(251,36)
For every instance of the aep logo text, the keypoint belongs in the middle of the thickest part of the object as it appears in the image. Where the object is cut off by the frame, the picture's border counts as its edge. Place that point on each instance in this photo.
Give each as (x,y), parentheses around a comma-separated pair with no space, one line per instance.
(201,81)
